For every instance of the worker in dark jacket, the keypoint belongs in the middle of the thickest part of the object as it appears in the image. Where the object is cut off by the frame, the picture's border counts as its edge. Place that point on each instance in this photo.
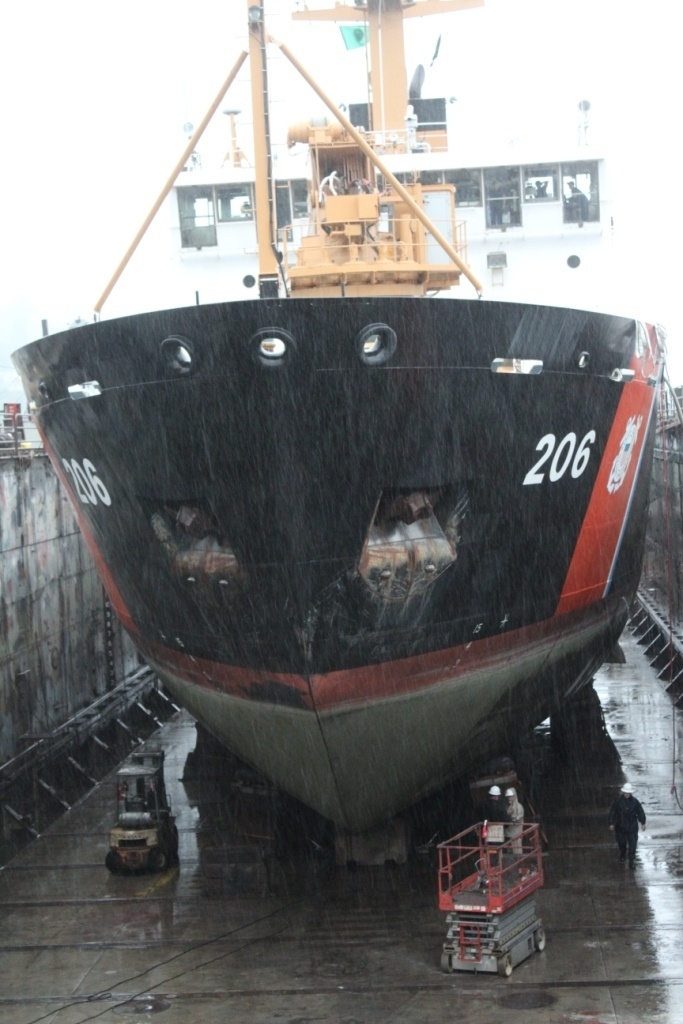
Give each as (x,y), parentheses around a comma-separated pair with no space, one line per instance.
(625,814)
(494,807)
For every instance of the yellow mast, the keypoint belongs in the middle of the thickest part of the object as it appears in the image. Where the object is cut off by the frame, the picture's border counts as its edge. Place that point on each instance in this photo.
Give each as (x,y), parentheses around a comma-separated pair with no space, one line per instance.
(265,200)
(384,21)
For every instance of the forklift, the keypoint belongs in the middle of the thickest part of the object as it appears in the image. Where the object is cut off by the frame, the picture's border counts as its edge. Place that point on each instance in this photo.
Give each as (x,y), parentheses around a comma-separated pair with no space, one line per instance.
(145,837)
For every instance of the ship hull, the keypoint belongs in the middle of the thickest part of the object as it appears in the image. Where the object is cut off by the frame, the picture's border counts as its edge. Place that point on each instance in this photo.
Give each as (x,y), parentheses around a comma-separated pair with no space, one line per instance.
(361,557)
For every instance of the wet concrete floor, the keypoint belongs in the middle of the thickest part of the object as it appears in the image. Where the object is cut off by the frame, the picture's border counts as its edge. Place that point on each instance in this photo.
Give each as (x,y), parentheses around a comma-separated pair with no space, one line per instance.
(311,942)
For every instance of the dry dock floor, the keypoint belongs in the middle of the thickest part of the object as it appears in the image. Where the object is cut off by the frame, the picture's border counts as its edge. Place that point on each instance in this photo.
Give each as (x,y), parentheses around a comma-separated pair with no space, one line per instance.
(329,944)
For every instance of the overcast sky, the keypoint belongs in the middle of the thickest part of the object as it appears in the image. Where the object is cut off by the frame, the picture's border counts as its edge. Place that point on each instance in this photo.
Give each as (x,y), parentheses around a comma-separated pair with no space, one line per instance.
(94,96)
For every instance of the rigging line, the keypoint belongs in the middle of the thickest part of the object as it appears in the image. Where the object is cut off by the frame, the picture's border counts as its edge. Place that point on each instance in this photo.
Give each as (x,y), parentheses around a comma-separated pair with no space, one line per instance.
(98,996)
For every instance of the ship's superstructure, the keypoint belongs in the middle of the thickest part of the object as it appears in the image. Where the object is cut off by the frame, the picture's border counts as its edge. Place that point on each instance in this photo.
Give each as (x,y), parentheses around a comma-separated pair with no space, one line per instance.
(525,217)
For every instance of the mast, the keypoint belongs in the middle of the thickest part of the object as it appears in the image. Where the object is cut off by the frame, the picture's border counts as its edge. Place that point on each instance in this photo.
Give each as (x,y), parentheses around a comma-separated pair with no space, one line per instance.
(269,266)
(384,22)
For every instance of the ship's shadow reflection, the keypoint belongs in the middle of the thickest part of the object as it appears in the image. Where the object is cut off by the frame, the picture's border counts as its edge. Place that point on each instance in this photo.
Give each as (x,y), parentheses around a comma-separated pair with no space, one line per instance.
(252,839)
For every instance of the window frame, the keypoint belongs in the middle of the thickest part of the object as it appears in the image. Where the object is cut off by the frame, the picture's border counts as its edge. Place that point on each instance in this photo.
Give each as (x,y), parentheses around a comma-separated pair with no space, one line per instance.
(195,234)
(580,212)
(473,176)
(507,204)
(532,174)
(238,188)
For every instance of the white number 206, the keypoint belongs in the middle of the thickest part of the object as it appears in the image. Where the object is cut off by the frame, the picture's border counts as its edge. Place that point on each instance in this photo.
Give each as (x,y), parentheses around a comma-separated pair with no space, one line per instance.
(564,454)
(87,484)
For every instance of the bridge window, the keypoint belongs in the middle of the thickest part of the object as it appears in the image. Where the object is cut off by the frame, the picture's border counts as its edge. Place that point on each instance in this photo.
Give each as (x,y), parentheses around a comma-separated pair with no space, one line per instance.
(541,183)
(431,177)
(235,202)
(467,186)
(299,188)
(580,194)
(503,207)
(197,218)
(291,200)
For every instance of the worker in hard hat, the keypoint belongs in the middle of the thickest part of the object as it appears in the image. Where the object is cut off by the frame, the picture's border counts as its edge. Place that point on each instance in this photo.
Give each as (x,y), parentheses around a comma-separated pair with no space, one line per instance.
(495,814)
(515,812)
(495,807)
(625,814)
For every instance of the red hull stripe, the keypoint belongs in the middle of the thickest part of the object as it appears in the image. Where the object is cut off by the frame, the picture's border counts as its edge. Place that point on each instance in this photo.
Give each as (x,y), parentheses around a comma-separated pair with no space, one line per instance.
(113,593)
(376,682)
(597,547)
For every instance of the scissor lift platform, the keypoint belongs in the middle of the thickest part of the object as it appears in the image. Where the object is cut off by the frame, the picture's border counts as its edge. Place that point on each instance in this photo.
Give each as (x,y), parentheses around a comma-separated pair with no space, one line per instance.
(486,885)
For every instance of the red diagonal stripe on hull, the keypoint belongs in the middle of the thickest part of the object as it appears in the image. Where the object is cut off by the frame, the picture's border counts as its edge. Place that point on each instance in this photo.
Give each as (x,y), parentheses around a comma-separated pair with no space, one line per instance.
(113,593)
(597,545)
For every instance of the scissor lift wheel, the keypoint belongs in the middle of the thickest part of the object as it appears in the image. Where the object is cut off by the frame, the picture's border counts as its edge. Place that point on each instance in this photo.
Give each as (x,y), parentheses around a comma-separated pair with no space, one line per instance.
(505,966)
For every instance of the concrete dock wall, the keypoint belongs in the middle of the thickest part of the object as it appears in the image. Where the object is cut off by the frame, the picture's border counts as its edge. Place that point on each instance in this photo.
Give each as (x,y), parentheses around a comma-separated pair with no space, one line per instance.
(60,645)
(662,579)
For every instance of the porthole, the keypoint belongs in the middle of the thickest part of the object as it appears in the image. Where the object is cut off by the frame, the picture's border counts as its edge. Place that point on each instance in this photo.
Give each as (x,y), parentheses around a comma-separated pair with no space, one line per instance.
(573,262)
(178,356)
(376,344)
(272,346)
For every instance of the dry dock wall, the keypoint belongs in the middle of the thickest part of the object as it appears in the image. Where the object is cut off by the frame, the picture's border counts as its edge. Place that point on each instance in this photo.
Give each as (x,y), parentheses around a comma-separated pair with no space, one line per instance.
(60,645)
(662,579)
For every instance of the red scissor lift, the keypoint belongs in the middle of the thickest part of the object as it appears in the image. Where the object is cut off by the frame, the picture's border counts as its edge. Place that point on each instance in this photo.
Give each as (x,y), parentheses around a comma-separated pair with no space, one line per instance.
(486,885)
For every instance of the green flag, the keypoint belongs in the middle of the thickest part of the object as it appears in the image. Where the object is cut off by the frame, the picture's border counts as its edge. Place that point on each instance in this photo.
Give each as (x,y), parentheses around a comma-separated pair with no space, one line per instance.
(354,36)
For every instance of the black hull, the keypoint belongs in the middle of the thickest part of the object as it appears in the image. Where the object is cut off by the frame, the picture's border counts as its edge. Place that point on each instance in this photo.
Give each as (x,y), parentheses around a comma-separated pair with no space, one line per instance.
(328,543)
